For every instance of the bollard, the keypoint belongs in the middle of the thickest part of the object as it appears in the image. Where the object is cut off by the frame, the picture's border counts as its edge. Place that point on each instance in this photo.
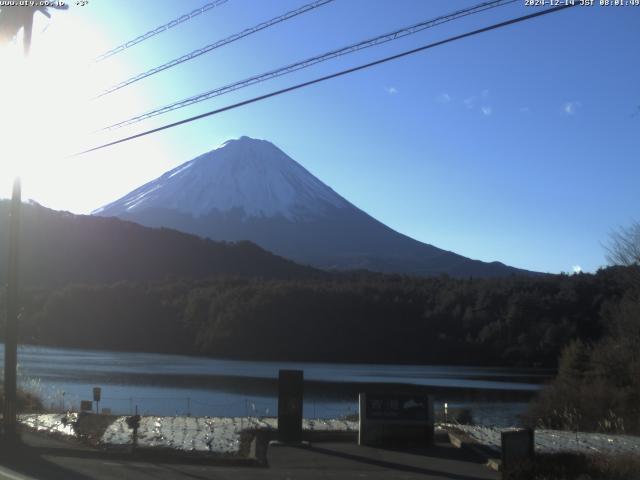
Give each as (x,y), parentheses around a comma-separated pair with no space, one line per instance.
(517,451)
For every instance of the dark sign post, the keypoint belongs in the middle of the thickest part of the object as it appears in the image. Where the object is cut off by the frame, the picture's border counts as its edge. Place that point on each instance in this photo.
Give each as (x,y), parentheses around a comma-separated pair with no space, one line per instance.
(290,393)
(133,422)
(96,397)
(517,450)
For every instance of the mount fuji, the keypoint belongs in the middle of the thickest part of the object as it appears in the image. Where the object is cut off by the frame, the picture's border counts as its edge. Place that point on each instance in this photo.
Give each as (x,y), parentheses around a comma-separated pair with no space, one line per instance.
(249,189)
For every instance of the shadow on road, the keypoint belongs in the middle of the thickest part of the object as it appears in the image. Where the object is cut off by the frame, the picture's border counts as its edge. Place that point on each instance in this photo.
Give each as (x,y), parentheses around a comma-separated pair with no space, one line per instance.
(29,461)
(392,465)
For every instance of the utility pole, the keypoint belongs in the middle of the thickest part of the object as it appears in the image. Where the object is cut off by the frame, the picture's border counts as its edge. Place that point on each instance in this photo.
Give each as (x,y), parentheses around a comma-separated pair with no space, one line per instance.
(11,332)
(12,19)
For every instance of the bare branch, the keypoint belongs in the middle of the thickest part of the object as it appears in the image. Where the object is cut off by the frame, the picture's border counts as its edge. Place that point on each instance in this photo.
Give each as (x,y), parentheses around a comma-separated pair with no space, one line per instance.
(624,246)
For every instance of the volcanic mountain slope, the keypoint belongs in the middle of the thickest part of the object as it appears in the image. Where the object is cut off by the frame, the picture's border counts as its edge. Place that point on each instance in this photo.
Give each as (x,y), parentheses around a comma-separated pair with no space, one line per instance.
(58,248)
(249,189)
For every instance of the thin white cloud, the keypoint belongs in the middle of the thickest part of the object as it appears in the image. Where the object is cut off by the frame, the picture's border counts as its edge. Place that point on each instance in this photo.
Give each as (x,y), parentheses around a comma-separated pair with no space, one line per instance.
(576,269)
(525,110)
(391,90)
(571,108)
(487,111)
(443,98)
(469,102)
(485,93)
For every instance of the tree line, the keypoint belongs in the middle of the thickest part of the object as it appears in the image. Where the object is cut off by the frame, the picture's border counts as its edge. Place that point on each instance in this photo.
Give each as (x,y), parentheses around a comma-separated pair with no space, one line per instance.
(355,317)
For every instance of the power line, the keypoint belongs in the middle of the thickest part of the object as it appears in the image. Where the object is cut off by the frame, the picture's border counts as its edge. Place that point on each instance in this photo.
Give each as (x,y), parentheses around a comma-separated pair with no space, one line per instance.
(212,46)
(328,77)
(160,29)
(311,61)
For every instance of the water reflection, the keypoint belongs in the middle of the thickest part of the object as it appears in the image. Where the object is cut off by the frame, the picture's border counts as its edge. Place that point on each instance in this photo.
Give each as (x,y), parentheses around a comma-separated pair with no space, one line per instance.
(173,384)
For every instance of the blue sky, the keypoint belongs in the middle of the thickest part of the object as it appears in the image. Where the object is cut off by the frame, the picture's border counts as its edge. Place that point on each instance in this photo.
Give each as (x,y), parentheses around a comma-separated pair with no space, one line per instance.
(519,145)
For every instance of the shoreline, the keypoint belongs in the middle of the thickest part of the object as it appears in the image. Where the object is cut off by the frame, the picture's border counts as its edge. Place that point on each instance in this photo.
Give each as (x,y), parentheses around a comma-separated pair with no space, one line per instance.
(541,371)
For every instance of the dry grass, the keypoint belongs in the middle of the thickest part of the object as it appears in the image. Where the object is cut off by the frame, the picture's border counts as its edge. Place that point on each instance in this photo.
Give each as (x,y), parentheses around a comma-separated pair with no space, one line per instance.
(27,402)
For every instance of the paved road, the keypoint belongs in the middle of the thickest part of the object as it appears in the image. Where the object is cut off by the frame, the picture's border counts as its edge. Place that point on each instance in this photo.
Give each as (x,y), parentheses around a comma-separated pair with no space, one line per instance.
(57,460)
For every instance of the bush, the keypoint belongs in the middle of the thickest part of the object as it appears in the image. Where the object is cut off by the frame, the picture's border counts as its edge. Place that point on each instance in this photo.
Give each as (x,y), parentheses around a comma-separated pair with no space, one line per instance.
(597,387)
(567,466)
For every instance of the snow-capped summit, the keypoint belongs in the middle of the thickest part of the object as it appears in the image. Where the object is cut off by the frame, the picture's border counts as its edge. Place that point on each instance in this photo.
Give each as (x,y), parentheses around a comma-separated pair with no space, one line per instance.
(248,174)
(249,189)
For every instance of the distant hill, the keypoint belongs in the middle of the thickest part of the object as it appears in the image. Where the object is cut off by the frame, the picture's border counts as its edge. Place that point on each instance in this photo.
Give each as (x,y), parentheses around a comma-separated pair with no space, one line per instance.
(249,189)
(59,248)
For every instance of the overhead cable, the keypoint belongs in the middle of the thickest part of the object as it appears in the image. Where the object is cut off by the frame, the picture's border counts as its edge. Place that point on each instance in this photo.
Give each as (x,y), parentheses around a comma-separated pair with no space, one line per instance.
(403,32)
(212,46)
(160,29)
(327,77)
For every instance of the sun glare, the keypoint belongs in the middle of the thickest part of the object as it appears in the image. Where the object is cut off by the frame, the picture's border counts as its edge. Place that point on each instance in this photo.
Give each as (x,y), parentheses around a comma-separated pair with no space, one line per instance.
(41,103)
(46,111)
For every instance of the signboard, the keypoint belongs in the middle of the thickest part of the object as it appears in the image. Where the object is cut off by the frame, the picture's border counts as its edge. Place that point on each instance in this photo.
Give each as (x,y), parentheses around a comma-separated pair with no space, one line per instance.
(395,418)
(517,449)
(290,393)
(397,407)
(96,394)
(86,405)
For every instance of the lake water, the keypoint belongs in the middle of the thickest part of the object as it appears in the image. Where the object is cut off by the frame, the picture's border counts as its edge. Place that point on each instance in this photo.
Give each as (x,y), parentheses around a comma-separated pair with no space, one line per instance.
(172,384)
